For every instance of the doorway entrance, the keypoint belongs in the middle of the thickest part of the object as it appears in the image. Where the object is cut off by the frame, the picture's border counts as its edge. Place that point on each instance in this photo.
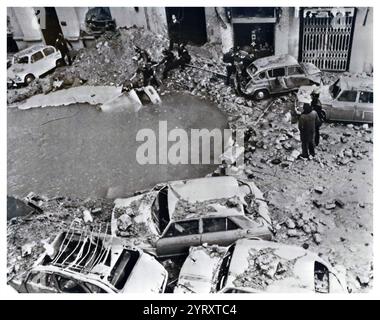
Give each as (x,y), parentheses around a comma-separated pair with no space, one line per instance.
(192,23)
(260,33)
(52,27)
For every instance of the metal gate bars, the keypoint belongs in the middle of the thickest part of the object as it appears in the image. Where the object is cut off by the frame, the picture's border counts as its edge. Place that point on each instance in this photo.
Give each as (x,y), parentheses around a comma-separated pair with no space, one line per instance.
(326,37)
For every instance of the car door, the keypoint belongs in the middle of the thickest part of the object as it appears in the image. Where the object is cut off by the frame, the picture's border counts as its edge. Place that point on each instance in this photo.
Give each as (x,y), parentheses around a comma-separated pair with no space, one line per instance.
(364,107)
(220,230)
(50,58)
(343,107)
(296,77)
(179,237)
(38,65)
(277,80)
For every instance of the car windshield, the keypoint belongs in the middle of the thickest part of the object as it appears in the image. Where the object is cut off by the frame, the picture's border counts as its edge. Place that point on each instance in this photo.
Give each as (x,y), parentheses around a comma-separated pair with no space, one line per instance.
(123,268)
(224,268)
(335,89)
(21,60)
(160,211)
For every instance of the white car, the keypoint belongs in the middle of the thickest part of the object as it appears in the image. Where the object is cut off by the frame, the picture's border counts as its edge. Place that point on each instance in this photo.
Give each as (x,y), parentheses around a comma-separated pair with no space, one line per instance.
(32,63)
(90,262)
(258,266)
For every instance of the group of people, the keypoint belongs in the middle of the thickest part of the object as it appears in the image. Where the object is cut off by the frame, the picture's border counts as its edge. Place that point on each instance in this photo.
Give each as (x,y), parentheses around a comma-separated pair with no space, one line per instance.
(146,68)
(237,60)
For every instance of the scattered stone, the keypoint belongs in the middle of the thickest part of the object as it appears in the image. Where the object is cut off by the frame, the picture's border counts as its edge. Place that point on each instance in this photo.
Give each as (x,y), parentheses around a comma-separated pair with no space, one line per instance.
(343,139)
(330,205)
(318,189)
(290,224)
(293,233)
(317,238)
(87,217)
(26,249)
(276,161)
(317,203)
(96,211)
(339,203)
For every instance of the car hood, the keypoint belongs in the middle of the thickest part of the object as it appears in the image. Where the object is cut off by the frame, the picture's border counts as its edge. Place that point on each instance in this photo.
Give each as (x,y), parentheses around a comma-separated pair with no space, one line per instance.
(199,270)
(148,276)
(297,268)
(14,70)
(139,208)
(311,71)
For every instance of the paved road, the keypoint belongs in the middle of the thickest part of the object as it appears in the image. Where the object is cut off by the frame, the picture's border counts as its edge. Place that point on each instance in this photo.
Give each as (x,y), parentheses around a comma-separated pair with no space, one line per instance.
(88,153)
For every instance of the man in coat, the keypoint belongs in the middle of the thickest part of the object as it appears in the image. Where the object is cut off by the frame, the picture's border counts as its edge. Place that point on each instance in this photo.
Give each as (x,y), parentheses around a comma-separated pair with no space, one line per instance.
(307,124)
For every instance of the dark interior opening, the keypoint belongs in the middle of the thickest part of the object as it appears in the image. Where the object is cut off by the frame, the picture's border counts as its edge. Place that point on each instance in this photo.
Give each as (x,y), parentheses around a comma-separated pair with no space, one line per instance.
(192,20)
(261,33)
(52,26)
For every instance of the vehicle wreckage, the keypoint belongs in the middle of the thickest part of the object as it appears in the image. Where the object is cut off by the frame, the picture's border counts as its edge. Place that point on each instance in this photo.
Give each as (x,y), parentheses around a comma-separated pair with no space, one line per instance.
(254,266)
(275,74)
(85,261)
(232,208)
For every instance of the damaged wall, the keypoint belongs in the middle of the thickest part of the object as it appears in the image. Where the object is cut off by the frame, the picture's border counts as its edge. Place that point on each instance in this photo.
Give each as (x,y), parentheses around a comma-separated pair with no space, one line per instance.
(362,46)
(287,32)
(129,16)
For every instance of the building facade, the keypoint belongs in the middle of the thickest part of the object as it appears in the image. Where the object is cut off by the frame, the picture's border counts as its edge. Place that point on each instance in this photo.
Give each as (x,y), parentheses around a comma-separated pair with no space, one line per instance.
(334,39)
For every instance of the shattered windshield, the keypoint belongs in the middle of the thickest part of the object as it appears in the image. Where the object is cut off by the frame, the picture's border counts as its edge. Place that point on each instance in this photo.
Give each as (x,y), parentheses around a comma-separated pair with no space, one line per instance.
(224,268)
(123,268)
(335,89)
(160,211)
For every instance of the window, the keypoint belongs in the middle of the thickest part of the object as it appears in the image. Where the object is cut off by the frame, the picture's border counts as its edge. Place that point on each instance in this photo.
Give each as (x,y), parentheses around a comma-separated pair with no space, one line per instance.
(218,225)
(22,60)
(160,211)
(36,56)
(39,282)
(366,97)
(335,89)
(348,96)
(123,268)
(224,269)
(294,70)
(261,76)
(183,228)
(48,51)
(274,73)
(68,285)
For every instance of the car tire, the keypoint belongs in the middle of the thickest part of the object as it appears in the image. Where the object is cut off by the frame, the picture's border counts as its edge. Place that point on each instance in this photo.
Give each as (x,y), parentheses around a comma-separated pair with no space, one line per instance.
(59,63)
(29,78)
(261,94)
(323,116)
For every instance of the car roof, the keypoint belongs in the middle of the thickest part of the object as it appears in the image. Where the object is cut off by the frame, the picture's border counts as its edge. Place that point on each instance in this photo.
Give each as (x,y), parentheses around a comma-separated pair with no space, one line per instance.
(30,50)
(299,261)
(356,83)
(276,61)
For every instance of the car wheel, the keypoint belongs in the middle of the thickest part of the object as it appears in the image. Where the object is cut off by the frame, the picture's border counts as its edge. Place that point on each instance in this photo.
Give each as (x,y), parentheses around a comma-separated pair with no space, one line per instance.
(29,78)
(323,116)
(59,63)
(261,94)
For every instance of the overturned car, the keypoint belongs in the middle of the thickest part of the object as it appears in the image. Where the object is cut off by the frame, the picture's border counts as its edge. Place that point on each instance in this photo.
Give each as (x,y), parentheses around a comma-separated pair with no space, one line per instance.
(257,266)
(275,74)
(82,261)
(232,208)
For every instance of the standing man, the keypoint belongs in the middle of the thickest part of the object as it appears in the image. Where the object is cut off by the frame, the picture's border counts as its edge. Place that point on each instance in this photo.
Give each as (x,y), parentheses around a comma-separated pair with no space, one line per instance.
(168,61)
(62,45)
(174,31)
(229,60)
(183,56)
(316,106)
(307,124)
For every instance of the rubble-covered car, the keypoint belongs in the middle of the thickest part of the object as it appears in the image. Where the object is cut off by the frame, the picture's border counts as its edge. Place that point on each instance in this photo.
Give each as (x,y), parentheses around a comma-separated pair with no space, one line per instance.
(144,217)
(347,99)
(99,19)
(179,236)
(91,262)
(258,266)
(277,74)
(31,63)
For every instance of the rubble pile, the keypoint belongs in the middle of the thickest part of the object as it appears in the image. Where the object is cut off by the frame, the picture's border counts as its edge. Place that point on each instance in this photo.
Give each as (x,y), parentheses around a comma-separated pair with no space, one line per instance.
(264,267)
(28,236)
(185,209)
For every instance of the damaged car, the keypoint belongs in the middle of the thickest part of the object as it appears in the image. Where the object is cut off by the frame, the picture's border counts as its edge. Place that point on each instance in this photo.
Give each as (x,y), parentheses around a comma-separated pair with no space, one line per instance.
(82,261)
(258,266)
(348,99)
(145,217)
(276,74)
(32,63)
(99,20)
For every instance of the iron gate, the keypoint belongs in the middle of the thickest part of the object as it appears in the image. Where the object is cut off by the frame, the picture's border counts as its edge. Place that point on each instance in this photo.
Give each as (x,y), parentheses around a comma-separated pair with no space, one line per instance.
(326,37)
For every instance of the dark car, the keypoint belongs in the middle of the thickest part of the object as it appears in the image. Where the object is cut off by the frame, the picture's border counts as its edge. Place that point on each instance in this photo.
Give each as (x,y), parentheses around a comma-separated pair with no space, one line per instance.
(99,19)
